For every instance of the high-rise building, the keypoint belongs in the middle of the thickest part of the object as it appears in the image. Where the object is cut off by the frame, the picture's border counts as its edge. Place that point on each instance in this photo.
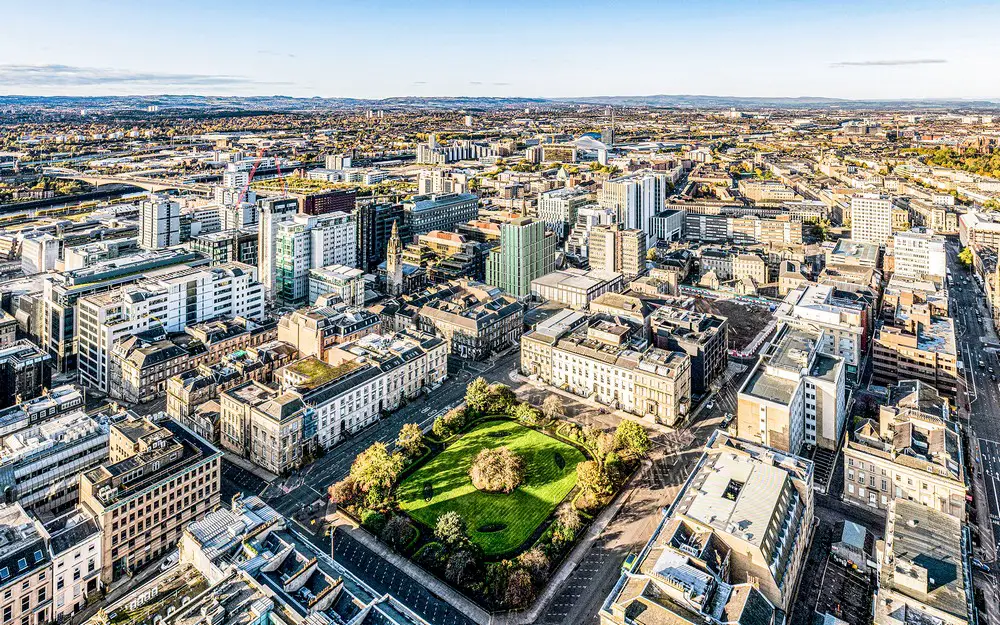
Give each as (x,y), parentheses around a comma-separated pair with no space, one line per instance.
(273,212)
(617,249)
(337,161)
(159,223)
(871,218)
(636,199)
(309,242)
(919,253)
(526,252)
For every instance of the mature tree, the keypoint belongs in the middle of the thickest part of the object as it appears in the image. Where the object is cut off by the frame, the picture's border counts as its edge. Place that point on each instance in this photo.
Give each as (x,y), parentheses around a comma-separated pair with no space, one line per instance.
(497,470)
(569,519)
(502,398)
(604,443)
(450,531)
(375,471)
(345,491)
(552,407)
(614,467)
(632,438)
(526,414)
(460,569)
(592,479)
(965,256)
(398,532)
(411,439)
(477,395)
(520,592)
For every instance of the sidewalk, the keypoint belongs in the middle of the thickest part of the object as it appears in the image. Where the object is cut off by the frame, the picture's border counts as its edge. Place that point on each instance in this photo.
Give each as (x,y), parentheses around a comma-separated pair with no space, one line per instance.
(246,465)
(428,581)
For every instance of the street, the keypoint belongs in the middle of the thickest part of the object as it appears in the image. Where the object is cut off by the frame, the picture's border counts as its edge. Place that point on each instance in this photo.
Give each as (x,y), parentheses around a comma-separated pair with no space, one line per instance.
(979,397)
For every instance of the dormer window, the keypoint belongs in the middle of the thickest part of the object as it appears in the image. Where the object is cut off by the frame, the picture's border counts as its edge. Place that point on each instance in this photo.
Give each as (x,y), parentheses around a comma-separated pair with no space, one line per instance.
(22,564)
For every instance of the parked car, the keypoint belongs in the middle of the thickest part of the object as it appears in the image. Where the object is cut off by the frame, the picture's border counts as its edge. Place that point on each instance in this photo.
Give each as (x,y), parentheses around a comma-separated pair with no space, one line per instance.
(979,564)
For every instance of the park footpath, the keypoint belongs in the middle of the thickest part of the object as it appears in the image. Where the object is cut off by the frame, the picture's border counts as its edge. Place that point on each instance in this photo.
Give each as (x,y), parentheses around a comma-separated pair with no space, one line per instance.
(467,606)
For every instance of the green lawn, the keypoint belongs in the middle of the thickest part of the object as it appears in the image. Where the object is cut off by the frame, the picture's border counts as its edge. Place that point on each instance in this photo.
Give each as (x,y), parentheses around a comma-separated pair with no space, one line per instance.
(513,516)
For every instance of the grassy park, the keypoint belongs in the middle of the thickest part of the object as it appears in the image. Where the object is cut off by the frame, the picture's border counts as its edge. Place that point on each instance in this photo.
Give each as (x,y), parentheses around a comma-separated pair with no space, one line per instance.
(497,522)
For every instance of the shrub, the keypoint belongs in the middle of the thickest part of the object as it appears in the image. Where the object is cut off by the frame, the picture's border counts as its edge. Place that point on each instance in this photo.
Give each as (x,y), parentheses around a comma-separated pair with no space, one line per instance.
(432,556)
(536,563)
(614,467)
(497,470)
(592,479)
(373,521)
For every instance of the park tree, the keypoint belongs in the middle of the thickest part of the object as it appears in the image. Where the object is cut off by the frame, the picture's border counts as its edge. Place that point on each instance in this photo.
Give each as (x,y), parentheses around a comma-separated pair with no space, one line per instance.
(592,479)
(450,531)
(536,563)
(526,414)
(552,407)
(520,591)
(398,532)
(344,492)
(375,471)
(411,439)
(502,398)
(477,395)
(965,256)
(604,443)
(632,438)
(497,470)
(460,569)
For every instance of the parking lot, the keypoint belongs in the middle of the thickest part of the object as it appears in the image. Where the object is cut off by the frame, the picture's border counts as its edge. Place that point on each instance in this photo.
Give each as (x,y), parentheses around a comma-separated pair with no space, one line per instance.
(383,577)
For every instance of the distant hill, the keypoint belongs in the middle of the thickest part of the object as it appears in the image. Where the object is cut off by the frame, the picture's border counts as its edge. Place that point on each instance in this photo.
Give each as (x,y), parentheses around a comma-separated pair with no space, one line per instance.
(279,103)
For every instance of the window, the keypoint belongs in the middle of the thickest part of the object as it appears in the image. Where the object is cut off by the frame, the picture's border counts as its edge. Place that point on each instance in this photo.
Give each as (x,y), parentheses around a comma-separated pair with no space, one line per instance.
(7,613)
(25,603)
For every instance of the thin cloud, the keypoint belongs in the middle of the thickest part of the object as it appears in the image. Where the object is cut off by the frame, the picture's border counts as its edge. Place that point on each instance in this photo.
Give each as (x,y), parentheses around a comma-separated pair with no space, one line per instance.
(69,75)
(419,82)
(501,84)
(475,82)
(273,53)
(889,63)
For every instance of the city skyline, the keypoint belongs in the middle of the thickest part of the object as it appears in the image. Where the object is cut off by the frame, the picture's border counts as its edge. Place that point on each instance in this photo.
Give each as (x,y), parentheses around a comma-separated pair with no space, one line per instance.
(552,50)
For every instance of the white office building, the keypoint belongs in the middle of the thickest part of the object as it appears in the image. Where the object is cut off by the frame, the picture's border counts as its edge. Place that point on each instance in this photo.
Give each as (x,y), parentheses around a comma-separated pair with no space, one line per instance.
(274,211)
(871,218)
(39,253)
(159,223)
(310,242)
(919,253)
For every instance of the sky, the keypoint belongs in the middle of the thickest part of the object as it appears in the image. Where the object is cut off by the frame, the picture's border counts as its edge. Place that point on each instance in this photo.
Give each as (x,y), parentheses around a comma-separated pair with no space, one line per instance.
(883,49)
